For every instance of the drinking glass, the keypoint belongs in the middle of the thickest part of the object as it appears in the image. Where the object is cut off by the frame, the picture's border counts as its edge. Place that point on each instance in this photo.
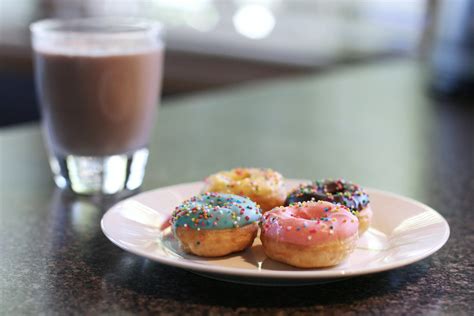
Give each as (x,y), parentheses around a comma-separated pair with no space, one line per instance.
(98,82)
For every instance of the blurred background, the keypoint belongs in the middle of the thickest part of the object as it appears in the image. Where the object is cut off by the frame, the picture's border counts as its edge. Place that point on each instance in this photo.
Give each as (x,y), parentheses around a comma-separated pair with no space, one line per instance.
(216,43)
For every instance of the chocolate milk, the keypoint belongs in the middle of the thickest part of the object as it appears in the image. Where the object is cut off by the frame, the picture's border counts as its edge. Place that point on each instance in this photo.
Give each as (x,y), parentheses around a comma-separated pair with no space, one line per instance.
(98,104)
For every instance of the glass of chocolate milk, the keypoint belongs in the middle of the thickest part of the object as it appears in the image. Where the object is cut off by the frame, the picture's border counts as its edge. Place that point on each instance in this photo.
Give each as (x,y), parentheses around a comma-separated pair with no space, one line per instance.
(98,82)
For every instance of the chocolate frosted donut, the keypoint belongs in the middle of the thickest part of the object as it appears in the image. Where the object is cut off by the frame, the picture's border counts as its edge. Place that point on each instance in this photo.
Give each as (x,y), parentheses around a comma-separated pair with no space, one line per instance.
(334,191)
(339,192)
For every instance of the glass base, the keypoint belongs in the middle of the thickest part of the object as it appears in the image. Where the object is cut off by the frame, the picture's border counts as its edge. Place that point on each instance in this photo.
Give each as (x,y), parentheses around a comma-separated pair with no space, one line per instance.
(100,175)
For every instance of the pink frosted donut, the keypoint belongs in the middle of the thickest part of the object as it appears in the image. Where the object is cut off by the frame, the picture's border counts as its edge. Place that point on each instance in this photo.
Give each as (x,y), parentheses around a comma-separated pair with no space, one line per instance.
(309,234)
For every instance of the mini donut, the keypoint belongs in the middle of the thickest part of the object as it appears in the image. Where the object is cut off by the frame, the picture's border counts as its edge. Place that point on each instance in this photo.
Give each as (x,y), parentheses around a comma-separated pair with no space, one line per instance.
(215,224)
(340,192)
(263,186)
(309,234)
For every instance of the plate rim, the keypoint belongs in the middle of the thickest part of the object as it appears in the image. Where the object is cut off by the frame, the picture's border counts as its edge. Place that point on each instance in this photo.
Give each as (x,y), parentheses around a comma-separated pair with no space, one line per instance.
(277,274)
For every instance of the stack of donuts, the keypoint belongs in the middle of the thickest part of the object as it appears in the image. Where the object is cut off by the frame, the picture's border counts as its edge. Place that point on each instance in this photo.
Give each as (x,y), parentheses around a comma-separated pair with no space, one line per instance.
(313,226)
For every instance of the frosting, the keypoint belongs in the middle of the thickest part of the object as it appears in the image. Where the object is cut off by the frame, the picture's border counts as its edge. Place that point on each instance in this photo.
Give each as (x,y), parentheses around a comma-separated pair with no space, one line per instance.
(339,191)
(309,223)
(245,181)
(215,211)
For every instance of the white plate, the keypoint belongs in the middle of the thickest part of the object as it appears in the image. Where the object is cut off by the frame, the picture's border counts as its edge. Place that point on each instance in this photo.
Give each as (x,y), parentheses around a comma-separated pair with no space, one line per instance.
(403,231)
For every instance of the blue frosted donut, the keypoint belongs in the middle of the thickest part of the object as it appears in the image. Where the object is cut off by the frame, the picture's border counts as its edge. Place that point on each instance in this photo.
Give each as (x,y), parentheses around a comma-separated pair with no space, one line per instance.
(214,211)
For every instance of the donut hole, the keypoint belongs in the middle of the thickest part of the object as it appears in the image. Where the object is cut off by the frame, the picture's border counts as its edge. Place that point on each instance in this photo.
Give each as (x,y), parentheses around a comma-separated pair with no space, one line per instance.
(223,203)
(307,214)
(334,188)
(240,174)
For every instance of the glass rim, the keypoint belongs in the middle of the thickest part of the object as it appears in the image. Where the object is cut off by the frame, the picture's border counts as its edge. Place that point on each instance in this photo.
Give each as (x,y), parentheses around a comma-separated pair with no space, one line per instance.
(129,27)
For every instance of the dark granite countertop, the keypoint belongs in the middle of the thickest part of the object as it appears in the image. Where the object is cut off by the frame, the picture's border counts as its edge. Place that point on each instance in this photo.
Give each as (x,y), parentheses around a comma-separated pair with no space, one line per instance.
(382,131)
